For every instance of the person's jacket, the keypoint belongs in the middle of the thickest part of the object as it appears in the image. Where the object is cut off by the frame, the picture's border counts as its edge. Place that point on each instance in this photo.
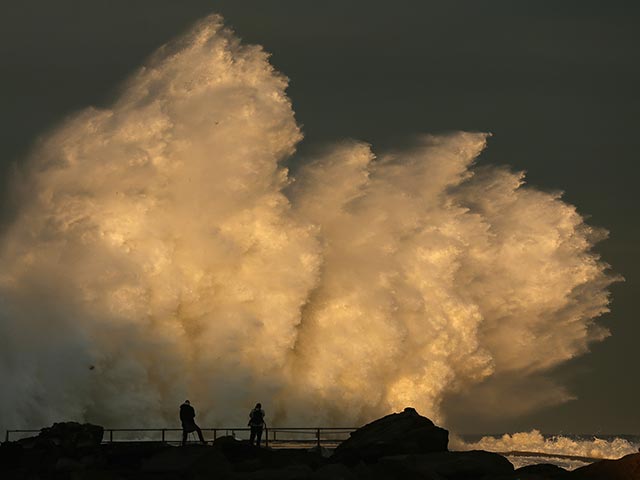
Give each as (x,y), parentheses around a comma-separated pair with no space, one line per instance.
(256,420)
(187,413)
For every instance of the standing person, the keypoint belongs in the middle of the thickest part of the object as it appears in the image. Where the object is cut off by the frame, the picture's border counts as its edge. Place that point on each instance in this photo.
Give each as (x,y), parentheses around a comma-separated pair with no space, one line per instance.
(187,417)
(256,422)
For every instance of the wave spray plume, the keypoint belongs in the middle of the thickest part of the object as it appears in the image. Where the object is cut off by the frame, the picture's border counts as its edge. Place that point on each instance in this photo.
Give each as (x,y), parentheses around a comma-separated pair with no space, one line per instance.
(162,241)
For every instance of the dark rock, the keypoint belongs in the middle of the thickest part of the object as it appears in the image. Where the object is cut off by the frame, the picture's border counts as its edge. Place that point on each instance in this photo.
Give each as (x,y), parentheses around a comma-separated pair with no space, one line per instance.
(362,471)
(11,454)
(244,456)
(398,433)
(95,460)
(322,451)
(334,471)
(625,468)
(282,457)
(95,475)
(194,458)
(68,436)
(66,464)
(474,464)
(403,467)
(212,464)
(235,449)
(56,450)
(369,471)
(22,473)
(291,472)
(39,459)
(247,458)
(130,455)
(542,471)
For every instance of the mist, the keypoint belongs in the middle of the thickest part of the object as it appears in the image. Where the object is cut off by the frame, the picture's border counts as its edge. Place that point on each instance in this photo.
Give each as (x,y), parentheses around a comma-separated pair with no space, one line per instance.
(160,250)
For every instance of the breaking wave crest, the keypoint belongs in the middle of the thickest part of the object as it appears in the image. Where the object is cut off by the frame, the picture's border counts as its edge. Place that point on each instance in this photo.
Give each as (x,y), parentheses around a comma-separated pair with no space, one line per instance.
(161,251)
(587,447)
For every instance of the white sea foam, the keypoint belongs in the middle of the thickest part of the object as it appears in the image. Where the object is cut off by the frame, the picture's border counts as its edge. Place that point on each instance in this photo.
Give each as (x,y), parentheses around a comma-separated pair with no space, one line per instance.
(161,251)
(592,447)
(566,463)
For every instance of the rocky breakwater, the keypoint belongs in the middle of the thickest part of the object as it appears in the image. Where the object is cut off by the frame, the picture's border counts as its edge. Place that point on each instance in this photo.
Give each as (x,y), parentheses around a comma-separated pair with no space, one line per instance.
(399,446)
(408,445)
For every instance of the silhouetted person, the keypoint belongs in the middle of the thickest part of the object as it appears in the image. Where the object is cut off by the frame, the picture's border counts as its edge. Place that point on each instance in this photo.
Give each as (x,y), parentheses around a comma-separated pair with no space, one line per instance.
(256,422)
(187,417)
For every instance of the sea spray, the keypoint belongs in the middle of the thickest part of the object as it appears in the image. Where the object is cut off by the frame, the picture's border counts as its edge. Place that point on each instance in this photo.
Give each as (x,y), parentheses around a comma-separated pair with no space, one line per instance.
(560,448)
(160,251)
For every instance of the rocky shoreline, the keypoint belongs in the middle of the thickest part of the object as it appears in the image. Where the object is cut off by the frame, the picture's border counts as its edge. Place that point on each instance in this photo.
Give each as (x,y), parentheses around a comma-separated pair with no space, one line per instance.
(400,446)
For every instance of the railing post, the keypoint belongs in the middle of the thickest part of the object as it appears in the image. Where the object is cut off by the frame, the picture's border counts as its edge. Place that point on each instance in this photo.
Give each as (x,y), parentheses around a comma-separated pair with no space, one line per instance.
(215,434)
(111,436)
(266,437)
(163,430)
(6,436)
(318,437)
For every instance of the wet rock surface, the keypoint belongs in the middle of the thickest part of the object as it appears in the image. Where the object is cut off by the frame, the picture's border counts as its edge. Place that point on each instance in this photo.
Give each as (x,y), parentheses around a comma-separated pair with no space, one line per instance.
(399,433)
(403,446)
(626,468)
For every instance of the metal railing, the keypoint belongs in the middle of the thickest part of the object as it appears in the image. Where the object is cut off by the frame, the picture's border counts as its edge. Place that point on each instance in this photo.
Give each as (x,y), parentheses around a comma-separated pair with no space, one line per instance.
(275,437)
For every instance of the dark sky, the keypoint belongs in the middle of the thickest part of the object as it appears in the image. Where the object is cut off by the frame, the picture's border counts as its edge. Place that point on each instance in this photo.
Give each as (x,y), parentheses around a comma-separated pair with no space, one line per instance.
(555,81)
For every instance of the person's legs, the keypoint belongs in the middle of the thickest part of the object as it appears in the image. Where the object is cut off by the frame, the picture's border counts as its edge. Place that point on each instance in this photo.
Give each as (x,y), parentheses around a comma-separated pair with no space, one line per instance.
(199,434)
(258,435)
(184,436)
(252,437)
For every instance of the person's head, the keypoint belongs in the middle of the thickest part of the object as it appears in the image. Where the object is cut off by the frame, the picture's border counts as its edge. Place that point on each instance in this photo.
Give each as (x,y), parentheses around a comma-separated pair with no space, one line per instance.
(187,402)
(258,405)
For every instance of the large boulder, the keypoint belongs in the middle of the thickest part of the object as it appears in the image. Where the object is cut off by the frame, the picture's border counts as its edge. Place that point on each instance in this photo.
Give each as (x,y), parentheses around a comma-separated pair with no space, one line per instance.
(399,433)
(67,436)
(625,468)
(61,449)
(11,454)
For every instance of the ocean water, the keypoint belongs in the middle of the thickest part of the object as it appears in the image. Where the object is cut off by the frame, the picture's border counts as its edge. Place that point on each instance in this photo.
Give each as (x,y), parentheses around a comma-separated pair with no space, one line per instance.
(565,450)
